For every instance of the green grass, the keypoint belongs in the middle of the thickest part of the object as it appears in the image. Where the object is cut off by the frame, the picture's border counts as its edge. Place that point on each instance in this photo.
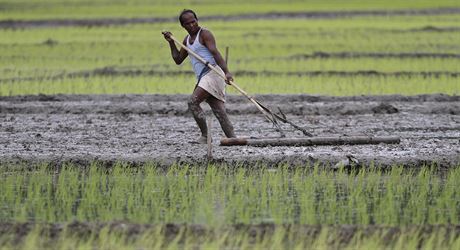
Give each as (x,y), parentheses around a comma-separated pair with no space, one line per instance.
(218,195)
(52,60)
(320,85)
(30,66)
(83,9)
(220,199)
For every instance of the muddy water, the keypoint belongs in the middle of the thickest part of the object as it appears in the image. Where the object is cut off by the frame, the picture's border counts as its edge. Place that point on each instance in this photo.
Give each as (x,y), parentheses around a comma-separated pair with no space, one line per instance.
(158,128)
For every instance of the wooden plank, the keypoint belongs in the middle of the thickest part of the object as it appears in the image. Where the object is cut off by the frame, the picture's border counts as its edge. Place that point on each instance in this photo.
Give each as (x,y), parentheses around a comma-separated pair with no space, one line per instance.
(310,141)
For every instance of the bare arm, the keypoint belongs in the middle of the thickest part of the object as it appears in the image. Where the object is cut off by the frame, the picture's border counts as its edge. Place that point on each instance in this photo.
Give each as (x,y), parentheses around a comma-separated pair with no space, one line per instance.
(177,55)
(210,43)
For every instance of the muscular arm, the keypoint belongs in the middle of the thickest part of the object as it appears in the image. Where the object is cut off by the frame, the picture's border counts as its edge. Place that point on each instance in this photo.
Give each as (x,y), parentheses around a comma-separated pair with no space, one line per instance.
(177,55)
(210,43)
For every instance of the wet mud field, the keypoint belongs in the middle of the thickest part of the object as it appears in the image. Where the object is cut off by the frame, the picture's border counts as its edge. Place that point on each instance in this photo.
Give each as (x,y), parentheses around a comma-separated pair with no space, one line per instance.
(158,128)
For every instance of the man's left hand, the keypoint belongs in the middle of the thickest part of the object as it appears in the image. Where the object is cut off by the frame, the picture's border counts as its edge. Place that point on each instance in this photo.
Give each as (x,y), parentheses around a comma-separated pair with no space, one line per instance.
(229,77)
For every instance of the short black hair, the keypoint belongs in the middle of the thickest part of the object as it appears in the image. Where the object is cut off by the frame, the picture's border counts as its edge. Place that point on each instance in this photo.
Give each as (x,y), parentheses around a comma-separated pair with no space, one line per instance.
(185,11)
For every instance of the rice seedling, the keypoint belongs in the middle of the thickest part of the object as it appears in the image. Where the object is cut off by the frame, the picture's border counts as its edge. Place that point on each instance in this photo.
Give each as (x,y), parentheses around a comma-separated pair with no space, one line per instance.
(325,56)
(220,195)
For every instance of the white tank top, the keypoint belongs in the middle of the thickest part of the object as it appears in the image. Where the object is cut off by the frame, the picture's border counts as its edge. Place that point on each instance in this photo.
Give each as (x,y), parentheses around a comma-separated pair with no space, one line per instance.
(202,51)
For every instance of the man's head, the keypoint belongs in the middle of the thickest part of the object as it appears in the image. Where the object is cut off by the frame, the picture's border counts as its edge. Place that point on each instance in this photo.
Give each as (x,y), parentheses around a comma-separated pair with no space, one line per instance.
(189,20)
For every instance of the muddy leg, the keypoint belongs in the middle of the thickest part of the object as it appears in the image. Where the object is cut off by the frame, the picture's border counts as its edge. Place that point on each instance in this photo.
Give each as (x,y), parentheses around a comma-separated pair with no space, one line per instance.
(198,96)
(218,107)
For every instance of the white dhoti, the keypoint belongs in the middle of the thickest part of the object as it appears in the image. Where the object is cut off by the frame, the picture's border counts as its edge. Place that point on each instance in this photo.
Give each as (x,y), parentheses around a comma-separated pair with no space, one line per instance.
(214,84)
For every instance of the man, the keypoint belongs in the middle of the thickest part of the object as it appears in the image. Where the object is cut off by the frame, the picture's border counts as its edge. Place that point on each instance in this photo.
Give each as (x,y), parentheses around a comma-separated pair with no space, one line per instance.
(210,87)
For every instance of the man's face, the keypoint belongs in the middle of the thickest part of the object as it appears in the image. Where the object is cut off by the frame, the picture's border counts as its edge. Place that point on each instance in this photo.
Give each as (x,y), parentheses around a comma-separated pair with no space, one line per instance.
(190,23)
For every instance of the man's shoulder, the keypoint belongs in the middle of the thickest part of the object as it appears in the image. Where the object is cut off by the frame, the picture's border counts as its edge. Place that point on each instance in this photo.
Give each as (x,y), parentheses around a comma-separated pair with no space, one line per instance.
(205,31)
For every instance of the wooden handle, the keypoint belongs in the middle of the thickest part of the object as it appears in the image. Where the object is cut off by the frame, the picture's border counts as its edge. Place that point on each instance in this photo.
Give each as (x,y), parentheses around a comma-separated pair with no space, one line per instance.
(300,141)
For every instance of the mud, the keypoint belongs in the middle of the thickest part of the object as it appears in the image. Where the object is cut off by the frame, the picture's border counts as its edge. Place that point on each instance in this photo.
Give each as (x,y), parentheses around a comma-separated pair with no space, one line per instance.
(347,55)
(159,128)
(339,235)
(15,24)
(120,71)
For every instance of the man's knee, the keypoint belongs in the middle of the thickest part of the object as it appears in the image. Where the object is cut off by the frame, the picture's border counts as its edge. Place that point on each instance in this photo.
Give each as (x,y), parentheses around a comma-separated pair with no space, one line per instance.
(192,103)
(217,107)
(220,112)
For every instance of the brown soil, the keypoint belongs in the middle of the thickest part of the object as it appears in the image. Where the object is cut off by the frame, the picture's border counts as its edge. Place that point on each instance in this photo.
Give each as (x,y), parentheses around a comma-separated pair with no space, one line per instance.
(338,235)
(272,15)
(345,55)
(120,71)
(158,128)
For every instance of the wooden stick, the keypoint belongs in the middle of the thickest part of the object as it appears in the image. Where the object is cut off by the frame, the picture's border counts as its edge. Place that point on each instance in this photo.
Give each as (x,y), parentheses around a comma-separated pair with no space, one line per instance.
(341,140)
(209,141)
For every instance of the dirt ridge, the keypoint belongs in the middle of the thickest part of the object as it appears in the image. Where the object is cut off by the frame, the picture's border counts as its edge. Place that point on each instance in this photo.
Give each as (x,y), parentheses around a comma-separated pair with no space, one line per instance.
(112,71)
(297,105)
(4,24)
(343,55)
(343,234)
(232,98)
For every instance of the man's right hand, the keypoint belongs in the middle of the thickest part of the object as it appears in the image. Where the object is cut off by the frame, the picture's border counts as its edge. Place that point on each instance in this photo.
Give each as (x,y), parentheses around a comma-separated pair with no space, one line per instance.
(167,36)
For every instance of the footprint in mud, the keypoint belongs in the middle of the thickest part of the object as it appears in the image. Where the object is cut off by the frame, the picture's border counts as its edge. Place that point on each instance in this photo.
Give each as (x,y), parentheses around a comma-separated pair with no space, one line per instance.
(199,141)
